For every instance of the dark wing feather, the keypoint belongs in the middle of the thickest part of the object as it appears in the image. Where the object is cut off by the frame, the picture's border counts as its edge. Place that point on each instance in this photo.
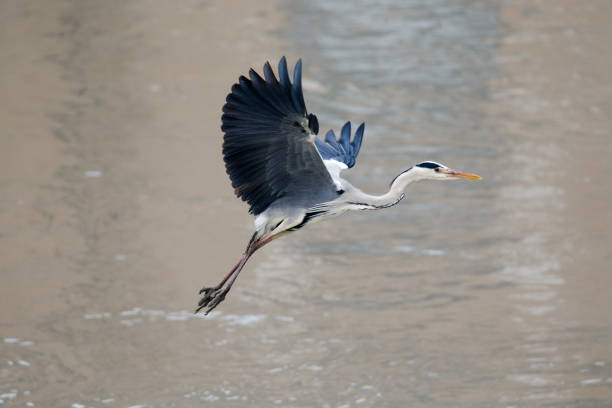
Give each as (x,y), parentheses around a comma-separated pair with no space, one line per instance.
(342,150)
(267,147)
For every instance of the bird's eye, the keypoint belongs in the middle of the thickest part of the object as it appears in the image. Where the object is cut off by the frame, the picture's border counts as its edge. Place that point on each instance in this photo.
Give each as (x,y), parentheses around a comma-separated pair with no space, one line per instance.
(437,169)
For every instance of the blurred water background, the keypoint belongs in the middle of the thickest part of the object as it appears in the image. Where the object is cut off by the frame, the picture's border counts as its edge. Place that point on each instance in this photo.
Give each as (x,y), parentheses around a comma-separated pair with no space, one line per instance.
(115,207)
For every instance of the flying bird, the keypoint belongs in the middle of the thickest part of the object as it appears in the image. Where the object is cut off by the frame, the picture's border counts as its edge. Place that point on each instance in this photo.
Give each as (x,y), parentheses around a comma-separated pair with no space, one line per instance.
(289,177)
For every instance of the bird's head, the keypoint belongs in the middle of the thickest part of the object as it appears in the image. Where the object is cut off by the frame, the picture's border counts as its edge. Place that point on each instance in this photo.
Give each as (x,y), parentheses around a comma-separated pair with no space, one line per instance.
(435,171)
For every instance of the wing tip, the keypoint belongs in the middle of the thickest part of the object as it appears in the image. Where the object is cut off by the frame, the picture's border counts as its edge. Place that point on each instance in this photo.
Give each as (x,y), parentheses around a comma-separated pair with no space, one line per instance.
(343,149)
(358,138)
(345,139)
(269,74)
(296,88)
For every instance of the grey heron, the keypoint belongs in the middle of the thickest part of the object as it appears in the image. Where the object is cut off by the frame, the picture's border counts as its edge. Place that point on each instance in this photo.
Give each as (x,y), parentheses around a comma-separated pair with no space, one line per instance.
(289,176)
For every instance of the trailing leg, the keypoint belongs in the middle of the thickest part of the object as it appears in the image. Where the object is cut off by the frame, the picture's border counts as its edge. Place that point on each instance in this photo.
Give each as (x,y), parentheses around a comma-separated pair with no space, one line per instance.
(212,296)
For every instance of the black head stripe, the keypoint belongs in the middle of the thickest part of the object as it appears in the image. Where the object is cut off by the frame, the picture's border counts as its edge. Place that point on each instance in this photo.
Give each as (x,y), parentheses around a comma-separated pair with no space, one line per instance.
(429,165)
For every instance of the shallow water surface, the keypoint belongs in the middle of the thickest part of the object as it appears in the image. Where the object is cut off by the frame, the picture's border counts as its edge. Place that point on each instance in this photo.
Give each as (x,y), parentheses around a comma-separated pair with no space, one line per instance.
(115,208)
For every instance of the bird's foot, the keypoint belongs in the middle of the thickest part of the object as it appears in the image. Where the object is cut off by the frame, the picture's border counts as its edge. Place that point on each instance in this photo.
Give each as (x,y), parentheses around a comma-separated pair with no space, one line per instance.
(211,297)
(208,289)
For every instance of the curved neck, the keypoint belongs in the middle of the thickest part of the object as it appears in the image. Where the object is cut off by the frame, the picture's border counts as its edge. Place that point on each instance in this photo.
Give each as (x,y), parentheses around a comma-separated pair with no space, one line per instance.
(396,190)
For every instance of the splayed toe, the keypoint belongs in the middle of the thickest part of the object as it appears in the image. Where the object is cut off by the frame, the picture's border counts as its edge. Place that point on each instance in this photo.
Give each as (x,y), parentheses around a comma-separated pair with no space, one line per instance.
(211,298)
(207,289)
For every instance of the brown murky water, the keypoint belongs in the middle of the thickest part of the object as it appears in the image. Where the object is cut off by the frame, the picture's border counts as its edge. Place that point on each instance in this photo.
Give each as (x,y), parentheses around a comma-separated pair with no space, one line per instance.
(115,208)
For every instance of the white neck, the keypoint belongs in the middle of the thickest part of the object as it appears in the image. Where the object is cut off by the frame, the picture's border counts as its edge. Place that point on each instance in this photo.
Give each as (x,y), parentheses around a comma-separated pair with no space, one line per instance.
(396,190)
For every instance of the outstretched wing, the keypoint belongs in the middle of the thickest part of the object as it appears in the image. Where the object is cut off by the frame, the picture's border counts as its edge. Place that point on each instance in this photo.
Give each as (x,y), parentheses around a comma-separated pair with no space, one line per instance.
(340,154)
(268,146)
(341,150)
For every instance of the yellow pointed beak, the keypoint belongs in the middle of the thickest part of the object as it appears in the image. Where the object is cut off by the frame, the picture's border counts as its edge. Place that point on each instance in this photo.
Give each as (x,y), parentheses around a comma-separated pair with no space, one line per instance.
(460,174)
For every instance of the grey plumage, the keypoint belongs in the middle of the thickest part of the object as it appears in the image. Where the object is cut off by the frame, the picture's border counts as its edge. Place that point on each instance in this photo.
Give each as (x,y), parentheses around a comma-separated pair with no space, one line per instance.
(288,176)
(267,147)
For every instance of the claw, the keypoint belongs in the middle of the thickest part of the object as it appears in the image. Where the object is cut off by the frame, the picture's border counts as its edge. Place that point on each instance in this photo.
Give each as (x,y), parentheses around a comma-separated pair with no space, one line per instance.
(215,301)
(211,299)
(212,296)
(206,289)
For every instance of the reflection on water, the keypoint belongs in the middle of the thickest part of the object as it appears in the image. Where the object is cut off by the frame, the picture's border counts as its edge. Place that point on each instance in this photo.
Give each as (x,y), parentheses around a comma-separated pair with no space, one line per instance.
(466,294)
